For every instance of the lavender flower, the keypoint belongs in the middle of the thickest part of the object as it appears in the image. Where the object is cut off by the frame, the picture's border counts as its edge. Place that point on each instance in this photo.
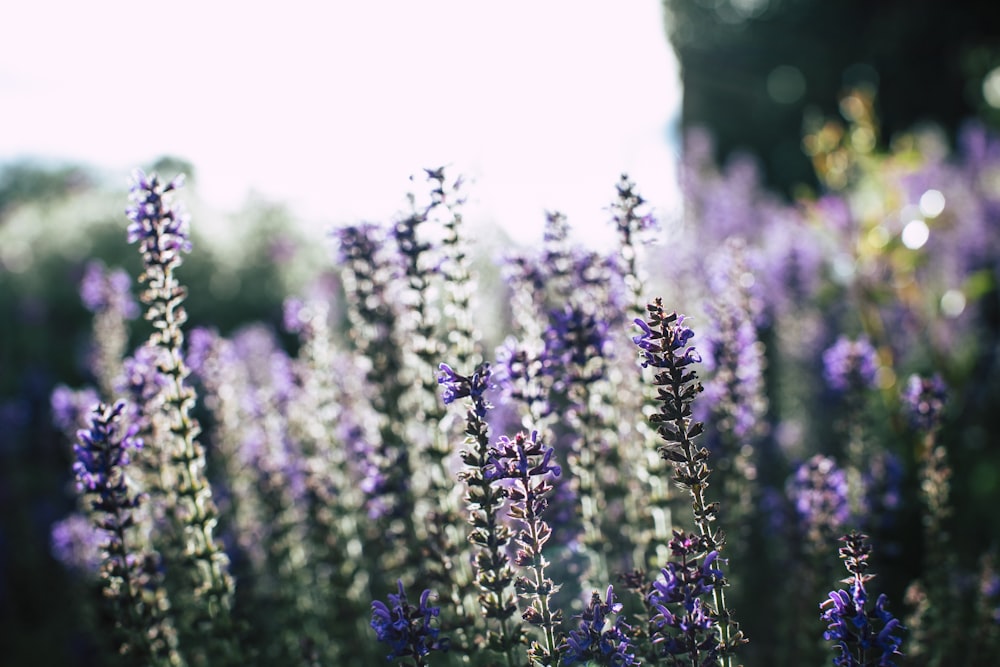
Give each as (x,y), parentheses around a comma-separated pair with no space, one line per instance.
(160,226)
(818,491)
(76,544)
(492,571)
(409,631)
(592,643)
(71,408)
(923,402)
(736,393)
(102,290)
(685,628)
(663,346)
(455,386)
(102,457)
(520,376)
(850,365)
(522,460)
(862,636)
(143,383)
(102,453)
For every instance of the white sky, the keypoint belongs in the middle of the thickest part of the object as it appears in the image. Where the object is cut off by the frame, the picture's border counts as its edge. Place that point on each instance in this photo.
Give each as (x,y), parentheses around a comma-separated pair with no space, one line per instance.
(330,106)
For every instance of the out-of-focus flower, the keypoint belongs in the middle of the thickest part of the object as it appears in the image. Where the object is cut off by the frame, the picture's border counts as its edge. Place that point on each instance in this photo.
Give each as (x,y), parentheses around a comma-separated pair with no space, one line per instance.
(101,290)
(76,544)
(850,365)
(71,408)
(818,491)
(923,401)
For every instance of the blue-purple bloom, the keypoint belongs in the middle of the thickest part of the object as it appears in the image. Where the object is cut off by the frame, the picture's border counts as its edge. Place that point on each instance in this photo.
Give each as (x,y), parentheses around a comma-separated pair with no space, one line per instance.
(160,226)
(576,342)
(862,636)
(850,365)
(102,290)
(455,386)
(923,401)
(409,631)
(818,491)
(517,459)
(71,408)
(675,340)
(76,544)
(592,643)
(527,462)
(102,453)
(143,383)
(684,624)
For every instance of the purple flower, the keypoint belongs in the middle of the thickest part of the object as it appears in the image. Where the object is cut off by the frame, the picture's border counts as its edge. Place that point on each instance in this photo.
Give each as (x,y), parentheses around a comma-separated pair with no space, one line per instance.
(576,342)
(519,375)
(519,459)
(850,365)
(863,636)
(683,622)
(592,643)
(455,386)
(527,462)
(102,290)
(142,381)
(409,631)
(735,395)
(102,454)
(923,401)
(818,491)
(200,343)
(159,225)
(71,408)
(293,315)
(674,336)
(76,544)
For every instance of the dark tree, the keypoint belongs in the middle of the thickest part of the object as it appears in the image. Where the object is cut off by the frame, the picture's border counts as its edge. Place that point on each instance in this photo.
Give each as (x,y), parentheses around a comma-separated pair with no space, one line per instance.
(754,71)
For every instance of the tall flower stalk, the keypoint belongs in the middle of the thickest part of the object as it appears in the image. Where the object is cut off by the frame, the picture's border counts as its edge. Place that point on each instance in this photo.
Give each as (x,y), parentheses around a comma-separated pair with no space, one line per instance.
(936,596)
(527,461)
(663,346)
(490,537)
(106,294)
(162,231)
(863,636)
(129,572)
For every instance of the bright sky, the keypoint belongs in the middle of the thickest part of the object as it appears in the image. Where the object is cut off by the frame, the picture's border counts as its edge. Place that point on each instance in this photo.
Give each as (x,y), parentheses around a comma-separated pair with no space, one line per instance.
(330,106)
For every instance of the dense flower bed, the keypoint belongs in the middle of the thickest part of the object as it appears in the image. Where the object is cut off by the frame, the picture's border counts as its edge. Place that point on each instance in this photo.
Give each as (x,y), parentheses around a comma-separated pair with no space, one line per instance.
(594,480)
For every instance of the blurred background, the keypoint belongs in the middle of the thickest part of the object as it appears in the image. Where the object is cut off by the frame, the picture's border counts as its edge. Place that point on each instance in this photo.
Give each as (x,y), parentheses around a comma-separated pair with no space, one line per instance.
(290,121)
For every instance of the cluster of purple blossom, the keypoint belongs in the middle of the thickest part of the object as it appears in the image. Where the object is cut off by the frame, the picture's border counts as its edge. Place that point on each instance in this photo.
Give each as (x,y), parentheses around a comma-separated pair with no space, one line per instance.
(325,479)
